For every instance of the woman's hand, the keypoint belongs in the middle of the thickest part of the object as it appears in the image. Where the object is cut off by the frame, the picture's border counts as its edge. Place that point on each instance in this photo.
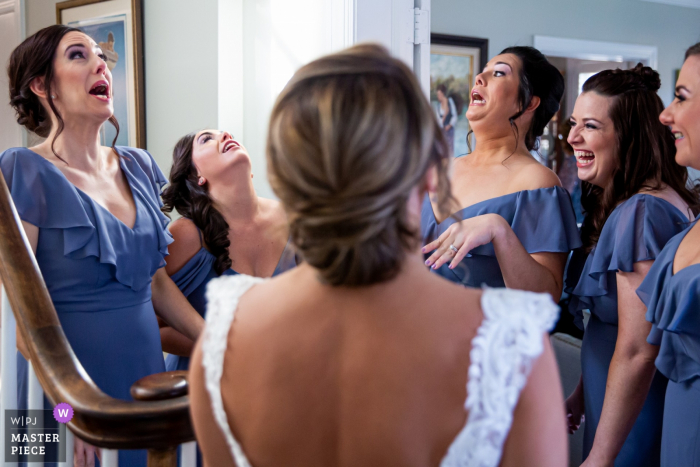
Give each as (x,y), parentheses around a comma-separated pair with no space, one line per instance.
(464,236)
(84,454)
(575,409)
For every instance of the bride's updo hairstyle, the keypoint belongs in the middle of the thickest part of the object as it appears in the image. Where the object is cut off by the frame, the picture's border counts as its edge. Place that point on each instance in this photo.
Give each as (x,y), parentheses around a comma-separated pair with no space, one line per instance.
(645,147)
(351,135)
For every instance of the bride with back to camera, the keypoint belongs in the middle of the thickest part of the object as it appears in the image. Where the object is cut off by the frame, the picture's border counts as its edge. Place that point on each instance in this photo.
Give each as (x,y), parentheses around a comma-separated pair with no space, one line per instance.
(346,360)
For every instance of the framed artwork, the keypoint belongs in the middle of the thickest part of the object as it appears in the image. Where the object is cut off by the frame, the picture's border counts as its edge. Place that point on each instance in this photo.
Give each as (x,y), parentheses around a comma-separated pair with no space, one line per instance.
(116,26)
(454,63)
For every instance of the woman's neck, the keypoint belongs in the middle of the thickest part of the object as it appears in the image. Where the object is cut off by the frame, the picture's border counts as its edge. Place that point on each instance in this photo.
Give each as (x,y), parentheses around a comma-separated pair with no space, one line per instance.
(237,202)
(496,147)
(78,145)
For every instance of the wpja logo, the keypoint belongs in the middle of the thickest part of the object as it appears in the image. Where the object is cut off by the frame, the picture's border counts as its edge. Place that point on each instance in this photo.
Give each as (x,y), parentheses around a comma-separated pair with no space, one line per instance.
(37,435)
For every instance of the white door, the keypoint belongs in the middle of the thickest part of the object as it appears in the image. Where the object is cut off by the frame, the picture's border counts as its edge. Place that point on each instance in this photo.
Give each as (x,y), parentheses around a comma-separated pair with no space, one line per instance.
(11,32)
(403,26)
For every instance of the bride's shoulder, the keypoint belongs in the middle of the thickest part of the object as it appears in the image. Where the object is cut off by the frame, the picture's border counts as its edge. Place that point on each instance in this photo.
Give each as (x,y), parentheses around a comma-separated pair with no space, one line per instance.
(526,311)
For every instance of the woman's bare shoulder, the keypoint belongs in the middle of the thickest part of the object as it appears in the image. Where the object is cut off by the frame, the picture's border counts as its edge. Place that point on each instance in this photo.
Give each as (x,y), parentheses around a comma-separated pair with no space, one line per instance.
(186,243)
(531,175)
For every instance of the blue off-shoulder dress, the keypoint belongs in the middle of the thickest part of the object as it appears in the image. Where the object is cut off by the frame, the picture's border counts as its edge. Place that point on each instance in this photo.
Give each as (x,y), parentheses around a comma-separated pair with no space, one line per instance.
(193,277)
(635,231)
(543,220)
(97,270)
(673,308)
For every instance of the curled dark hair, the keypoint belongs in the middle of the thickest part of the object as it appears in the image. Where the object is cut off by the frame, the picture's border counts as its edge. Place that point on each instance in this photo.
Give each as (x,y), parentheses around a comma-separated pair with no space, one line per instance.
(538,78)
(645,147)
(34,58)
(193,202)
(351,136)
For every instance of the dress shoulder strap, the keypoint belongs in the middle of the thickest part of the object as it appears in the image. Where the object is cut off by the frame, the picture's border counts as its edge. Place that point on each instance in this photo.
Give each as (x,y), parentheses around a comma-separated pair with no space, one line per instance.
(507,343)
(222,296)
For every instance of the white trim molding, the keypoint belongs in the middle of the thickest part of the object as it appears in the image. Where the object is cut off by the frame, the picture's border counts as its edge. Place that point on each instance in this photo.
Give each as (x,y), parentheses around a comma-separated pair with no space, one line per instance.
(685,3)
(7,7)
(597,50)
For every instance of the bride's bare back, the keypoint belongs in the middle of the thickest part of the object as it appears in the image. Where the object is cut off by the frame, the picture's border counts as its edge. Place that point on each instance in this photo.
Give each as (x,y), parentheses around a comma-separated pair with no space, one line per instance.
(333,376)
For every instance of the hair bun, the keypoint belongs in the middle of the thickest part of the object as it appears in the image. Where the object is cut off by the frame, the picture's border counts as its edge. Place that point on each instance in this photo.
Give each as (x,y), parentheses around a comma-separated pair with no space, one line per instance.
(648,77)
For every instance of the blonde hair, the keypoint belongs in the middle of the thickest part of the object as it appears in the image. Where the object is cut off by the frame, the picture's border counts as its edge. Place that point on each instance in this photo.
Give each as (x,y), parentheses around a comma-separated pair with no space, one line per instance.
(350,136)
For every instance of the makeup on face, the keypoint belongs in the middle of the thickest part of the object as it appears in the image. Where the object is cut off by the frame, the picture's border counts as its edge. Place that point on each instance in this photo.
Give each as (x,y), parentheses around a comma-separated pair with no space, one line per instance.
(682,116)
(489,86)
(83,61)
(593,138)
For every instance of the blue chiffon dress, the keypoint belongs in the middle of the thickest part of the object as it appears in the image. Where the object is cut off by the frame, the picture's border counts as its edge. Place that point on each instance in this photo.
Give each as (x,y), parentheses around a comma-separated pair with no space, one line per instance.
(192,279)
(635,231)
(97,270)
(543,220)
(673,308)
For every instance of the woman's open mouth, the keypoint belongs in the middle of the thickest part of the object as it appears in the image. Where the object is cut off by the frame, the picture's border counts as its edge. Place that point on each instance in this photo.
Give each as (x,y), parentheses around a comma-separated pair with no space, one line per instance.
(101,90)
(230,144)
(477,99)
(584,158)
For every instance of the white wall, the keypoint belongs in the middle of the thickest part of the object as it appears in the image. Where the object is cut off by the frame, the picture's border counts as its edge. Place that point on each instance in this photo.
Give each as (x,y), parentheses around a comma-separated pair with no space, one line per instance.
(10,37)
(181,63)
(514,22)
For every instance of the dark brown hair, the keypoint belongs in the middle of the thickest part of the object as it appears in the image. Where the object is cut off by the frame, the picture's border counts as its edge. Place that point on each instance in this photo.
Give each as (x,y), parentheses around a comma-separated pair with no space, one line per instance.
(692,50)
(34,58)
(351,136)
(193,202)
(645,147)
(538,78)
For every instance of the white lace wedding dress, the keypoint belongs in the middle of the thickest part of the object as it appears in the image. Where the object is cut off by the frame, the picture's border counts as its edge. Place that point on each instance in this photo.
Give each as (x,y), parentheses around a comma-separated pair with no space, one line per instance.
(507,342)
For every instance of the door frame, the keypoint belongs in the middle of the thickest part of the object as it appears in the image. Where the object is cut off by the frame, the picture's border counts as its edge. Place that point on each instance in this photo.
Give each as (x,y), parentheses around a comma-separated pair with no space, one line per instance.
(597,50)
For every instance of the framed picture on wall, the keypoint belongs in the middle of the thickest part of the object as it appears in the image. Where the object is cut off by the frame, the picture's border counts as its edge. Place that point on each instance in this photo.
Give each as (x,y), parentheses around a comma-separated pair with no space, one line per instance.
(116,27)
(454,63)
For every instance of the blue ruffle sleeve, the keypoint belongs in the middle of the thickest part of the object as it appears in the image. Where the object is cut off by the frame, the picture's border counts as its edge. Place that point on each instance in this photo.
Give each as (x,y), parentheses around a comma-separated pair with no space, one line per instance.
(41,192)
(545,222)
(673,308)
(637,230)
(194,273)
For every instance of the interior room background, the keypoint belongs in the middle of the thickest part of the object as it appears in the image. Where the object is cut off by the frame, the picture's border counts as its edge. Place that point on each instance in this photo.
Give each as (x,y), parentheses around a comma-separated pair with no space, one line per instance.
(220,63)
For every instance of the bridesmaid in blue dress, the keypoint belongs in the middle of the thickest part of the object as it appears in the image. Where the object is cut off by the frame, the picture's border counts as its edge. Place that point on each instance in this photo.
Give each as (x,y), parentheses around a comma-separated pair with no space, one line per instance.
(226,228)
(671,291)
(635,199)
(92,216)
(518,225)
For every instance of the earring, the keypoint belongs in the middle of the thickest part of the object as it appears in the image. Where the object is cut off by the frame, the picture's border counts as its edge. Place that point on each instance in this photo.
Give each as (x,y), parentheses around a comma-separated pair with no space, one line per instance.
(201,181)
(53,97)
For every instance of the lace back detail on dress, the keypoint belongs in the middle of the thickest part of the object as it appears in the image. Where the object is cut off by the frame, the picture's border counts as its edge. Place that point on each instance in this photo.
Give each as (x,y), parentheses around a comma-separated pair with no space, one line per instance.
(222,302)
(508,341)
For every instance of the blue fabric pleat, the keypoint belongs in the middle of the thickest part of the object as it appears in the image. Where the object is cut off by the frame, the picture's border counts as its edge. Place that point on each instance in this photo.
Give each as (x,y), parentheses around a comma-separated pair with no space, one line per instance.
(543,220)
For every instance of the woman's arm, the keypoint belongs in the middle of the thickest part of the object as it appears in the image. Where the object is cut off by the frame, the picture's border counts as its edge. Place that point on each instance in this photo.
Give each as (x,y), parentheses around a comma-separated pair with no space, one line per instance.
(537,436)
(173,307)
(631,370)
(540,272)
(186,244)
(175,343)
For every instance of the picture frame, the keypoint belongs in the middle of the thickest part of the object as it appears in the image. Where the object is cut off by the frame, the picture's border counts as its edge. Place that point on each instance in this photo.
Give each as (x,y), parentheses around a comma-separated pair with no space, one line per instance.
(454,63)
(117,26)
